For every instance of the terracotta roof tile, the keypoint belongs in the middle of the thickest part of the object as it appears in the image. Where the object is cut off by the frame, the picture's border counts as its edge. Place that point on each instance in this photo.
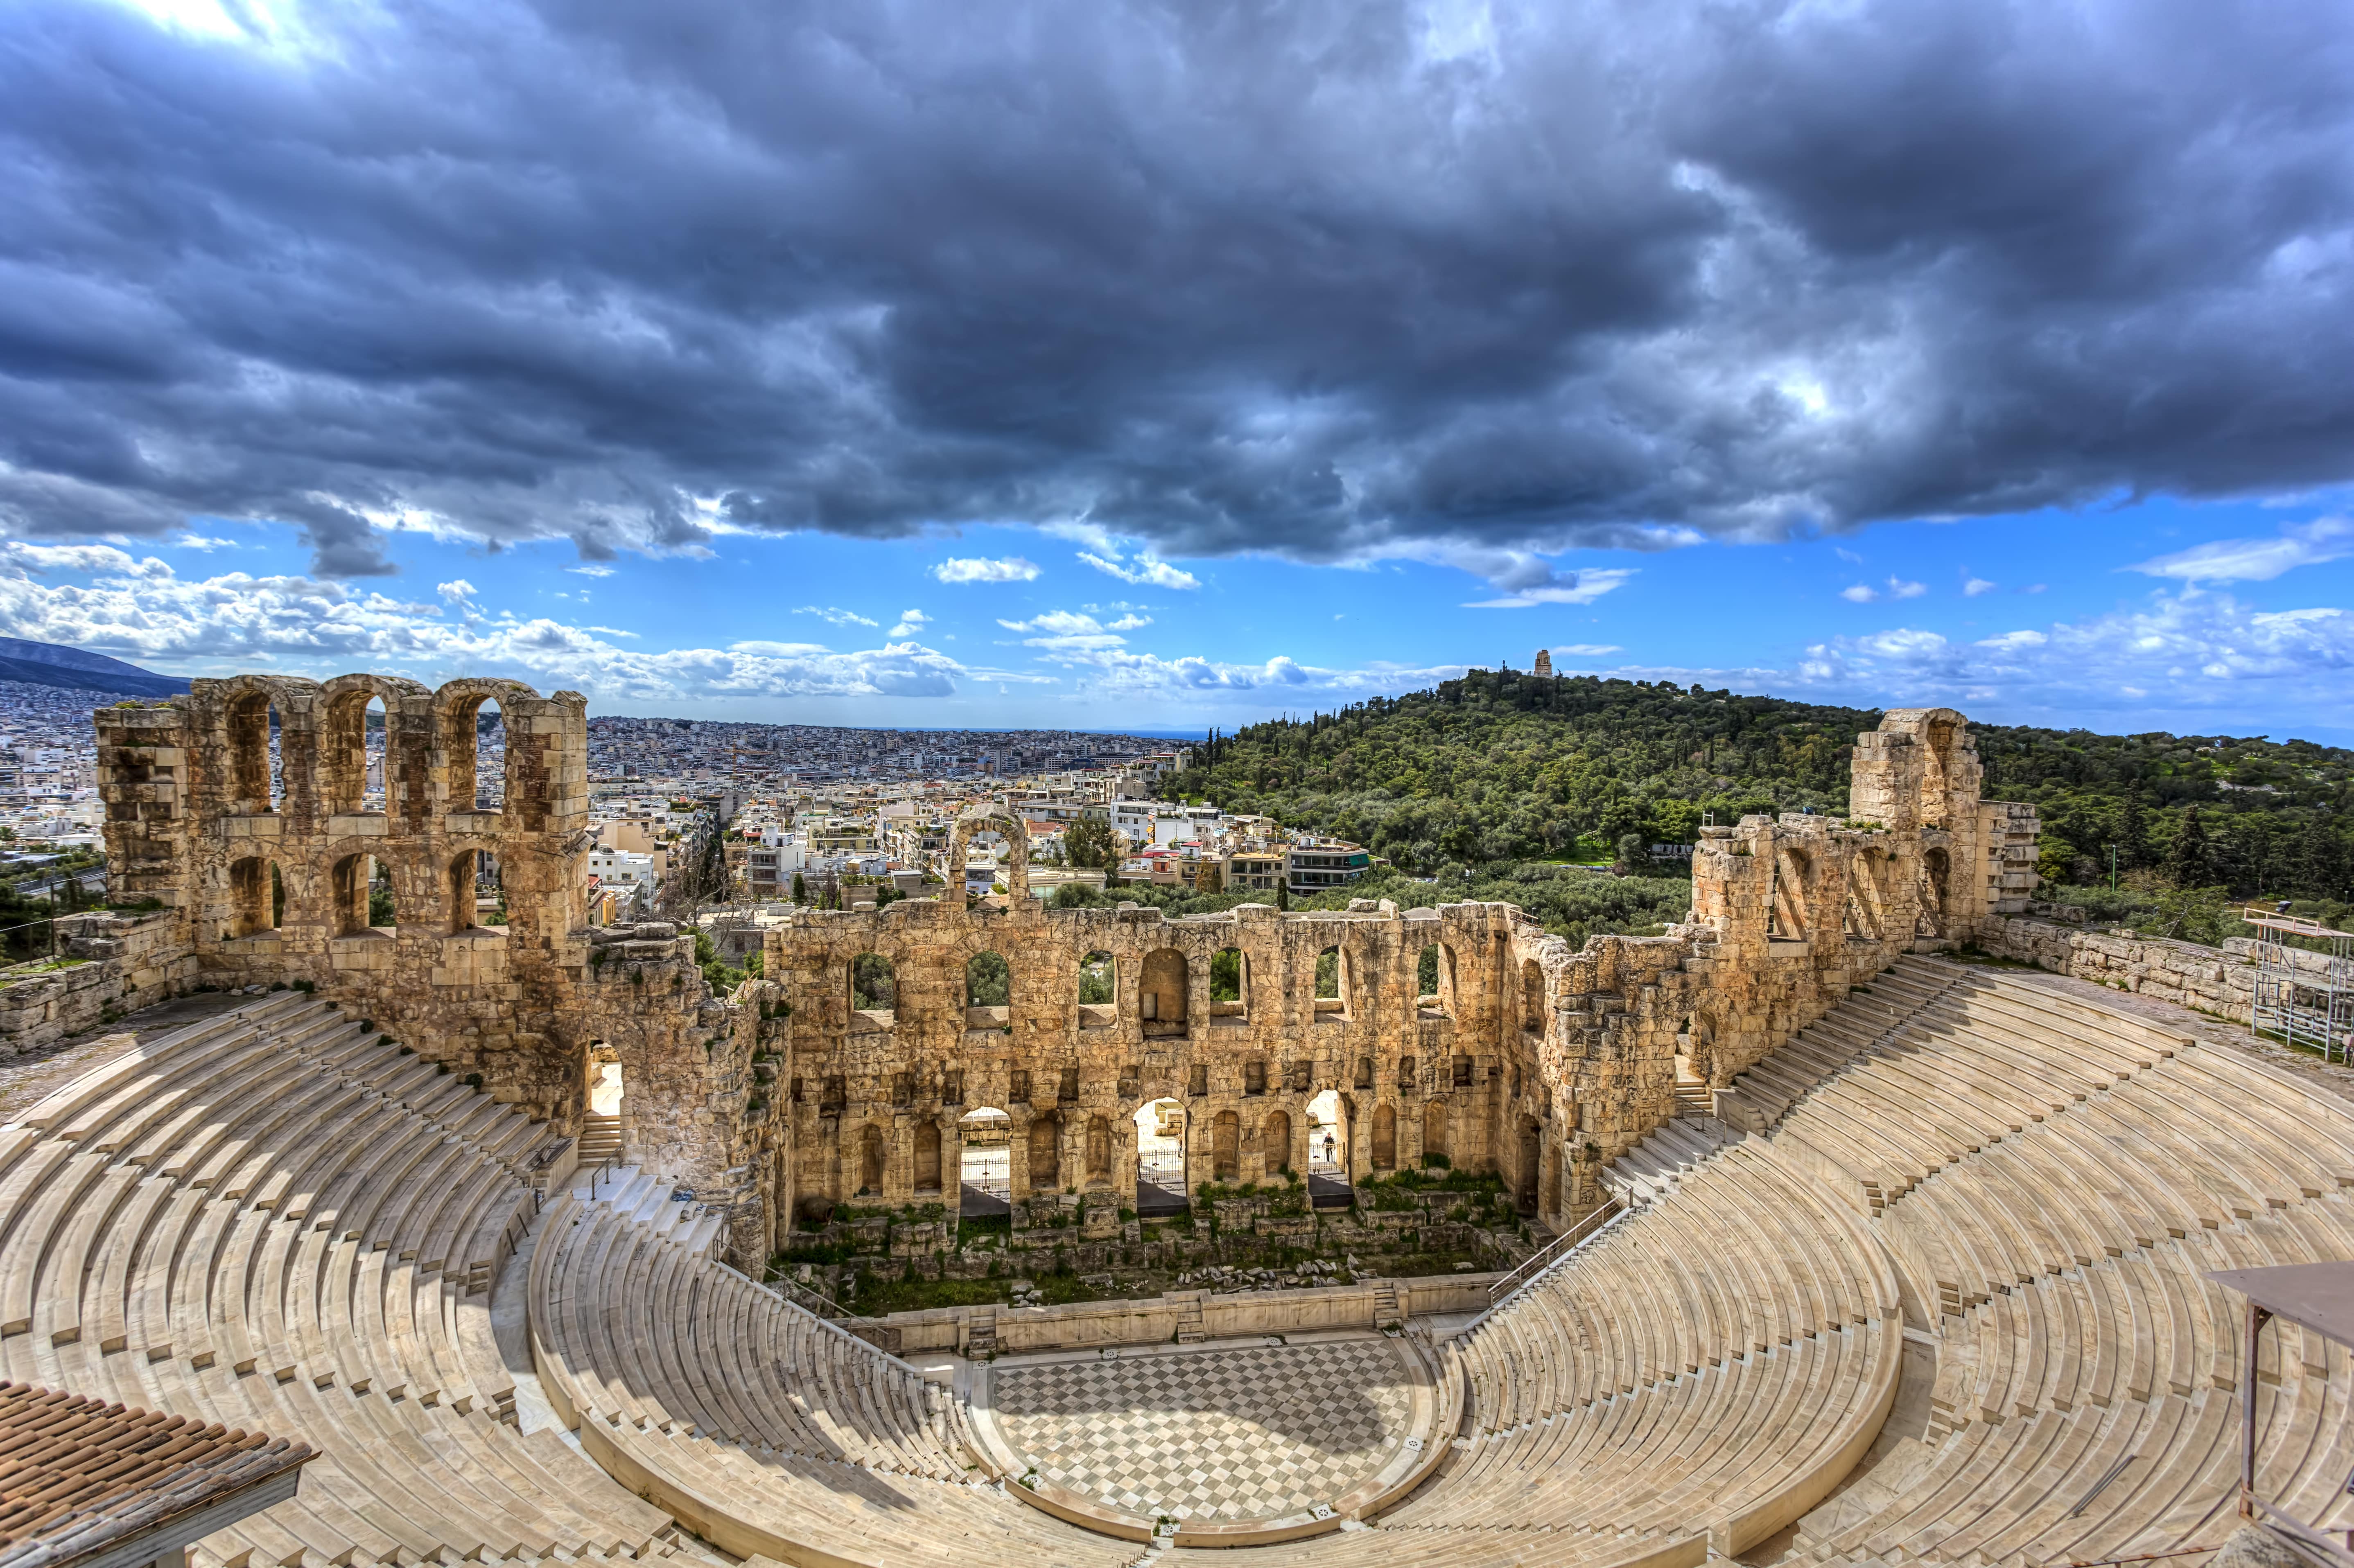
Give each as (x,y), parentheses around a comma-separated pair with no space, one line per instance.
(77,1474)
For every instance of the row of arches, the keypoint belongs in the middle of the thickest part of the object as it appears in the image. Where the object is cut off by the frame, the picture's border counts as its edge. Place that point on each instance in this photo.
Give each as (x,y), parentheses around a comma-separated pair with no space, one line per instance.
(1166,1155)
(354,765)
(1867,908)
(363,895)
(1164,994)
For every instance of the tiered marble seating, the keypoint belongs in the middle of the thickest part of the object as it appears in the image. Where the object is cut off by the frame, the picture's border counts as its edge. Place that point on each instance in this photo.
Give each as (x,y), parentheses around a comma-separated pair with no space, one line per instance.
(767,1428)
(1718,1360)
(2056,1178)
(275,1219)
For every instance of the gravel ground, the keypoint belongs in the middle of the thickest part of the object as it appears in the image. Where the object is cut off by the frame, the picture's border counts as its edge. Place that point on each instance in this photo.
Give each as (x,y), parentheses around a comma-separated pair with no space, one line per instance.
(27,1080)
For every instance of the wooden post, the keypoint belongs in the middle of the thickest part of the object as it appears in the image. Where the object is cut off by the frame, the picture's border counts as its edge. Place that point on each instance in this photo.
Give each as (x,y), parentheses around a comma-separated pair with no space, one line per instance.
(2256,1319)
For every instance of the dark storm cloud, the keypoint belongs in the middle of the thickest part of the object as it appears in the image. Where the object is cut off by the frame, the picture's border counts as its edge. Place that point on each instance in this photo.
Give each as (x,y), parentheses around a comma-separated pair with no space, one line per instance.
(1449,281)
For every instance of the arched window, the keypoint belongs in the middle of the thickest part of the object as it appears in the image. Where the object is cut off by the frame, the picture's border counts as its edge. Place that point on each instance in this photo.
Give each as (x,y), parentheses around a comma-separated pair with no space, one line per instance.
(257,897)
(1434,1154)
(474,743)
(1098,991)
(1434,982)
(1385,1138)
(349,886)
(352,766)
(1160,999)
(1788,918)
(1099,1149)
(988,991)
(1225,1146)
(490,757)
(870,1159)
(464,869)
(1532,996)
(928,1157)
(1046,1153)
(256,772)
(1935,876)
(1866,898)
(1936,772)
(873,994)
(1275,1142)
(1229,986)
(1332,985)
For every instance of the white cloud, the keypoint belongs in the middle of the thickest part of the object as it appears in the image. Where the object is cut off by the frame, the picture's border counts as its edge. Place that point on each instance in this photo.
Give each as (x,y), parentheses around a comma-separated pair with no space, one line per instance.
(590,571)
(1131,622)
(1149,570)
(609,631)
(140,611)
(1576,587)
(1861,593)
(835,616)
(1899,588)
(457,591)
(1847,555)
(910,623)
(1976,586)
(199,542)
(1064,632)
(1120,673)
(974,569)
(2208,653)
(2256,560)
(1589,650)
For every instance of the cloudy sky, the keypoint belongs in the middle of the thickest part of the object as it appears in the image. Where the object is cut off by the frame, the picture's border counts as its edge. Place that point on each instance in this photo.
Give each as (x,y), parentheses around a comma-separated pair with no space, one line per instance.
(1145,365)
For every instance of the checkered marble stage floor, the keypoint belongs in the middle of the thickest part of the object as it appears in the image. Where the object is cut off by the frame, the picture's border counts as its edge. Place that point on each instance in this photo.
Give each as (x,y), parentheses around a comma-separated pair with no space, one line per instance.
(1255,1432)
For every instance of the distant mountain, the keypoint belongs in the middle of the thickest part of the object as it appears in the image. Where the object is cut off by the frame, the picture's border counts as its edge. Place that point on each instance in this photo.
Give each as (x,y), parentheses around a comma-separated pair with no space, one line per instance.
(54,664)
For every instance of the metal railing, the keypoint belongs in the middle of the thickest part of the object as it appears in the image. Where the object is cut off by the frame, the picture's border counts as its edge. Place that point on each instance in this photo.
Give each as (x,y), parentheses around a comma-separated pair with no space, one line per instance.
(1554,1251)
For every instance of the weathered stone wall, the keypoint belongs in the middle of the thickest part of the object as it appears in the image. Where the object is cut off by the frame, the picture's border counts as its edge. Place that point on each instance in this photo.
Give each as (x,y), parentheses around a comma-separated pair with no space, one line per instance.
(1536,1060)
(1086,1325)
(265,882)
(870,1091)
(109,964)
(2222,982)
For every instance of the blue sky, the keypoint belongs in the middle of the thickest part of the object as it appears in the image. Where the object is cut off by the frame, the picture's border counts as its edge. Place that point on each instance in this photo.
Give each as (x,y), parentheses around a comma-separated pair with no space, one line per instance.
(1253,359)
(2154,615)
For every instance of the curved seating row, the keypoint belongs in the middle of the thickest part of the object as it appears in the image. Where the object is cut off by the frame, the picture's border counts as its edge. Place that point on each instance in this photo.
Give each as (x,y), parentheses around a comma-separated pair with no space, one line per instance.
(275,1219)
(766,1428)
(2056,1178)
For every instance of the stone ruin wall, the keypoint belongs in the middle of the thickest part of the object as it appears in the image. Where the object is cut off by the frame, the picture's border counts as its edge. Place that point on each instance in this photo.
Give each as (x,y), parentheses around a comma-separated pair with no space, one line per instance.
(1535,1060)
(193,822)
(1540,1062)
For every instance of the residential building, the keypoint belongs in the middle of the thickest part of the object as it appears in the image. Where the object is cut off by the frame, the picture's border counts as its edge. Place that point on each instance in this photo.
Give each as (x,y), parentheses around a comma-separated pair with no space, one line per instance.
(1319,865)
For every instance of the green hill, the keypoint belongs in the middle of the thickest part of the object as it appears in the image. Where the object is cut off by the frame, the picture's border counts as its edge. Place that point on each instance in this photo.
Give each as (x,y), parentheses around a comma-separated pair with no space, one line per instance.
(1503,766)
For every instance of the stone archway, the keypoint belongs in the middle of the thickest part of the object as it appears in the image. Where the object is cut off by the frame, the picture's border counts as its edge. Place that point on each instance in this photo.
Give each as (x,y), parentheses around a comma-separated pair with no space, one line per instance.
(987,814)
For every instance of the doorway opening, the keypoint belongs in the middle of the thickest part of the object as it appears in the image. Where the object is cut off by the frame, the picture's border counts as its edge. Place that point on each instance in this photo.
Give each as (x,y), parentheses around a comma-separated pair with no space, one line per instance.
(1160,1159)
(985,1164)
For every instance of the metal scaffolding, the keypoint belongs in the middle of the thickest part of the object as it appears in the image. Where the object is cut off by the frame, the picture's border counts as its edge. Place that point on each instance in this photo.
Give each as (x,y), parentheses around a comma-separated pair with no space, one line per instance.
(2304,996)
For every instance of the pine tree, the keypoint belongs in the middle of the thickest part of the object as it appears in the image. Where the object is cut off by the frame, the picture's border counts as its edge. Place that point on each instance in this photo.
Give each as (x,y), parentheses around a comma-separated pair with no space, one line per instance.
(2189,864)
(801,889)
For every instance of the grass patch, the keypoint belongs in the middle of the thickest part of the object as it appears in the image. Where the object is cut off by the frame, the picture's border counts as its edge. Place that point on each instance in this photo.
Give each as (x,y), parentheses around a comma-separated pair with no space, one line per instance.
(876,1296)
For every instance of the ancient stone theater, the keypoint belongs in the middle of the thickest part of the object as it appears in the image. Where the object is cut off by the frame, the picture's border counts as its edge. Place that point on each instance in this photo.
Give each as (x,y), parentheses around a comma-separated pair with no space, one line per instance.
(1833,1225)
